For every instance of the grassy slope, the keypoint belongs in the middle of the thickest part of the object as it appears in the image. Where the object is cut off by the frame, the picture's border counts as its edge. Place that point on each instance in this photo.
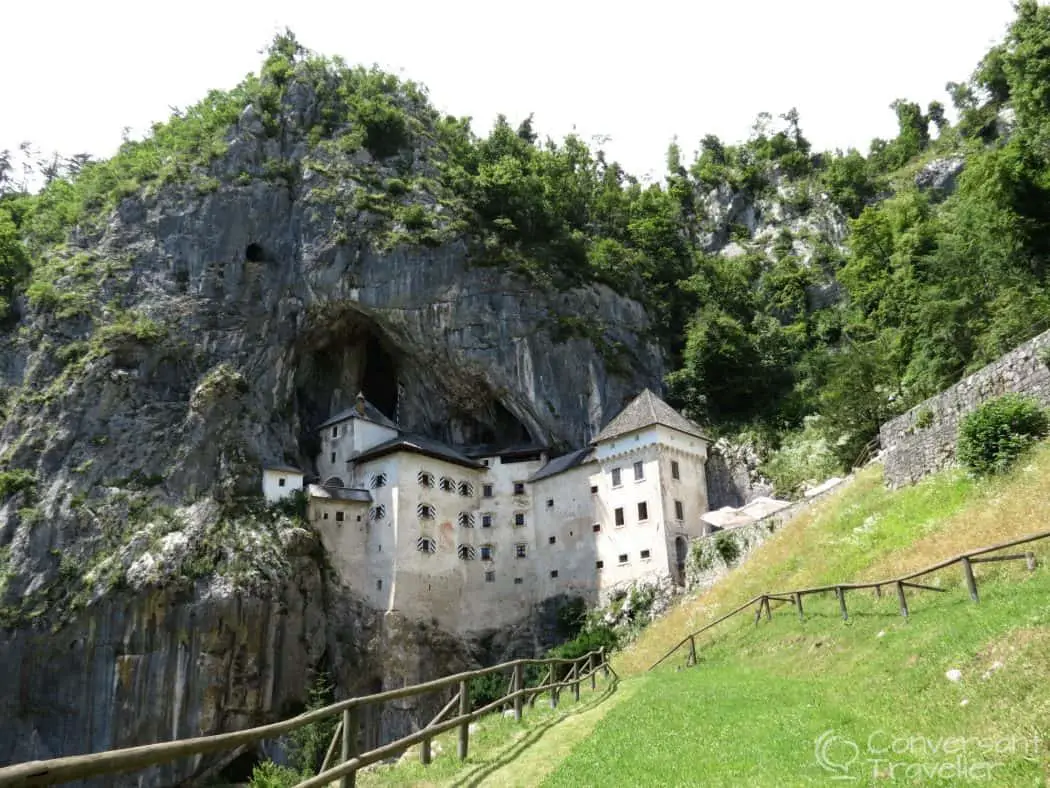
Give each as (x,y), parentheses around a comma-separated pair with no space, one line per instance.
(751,712)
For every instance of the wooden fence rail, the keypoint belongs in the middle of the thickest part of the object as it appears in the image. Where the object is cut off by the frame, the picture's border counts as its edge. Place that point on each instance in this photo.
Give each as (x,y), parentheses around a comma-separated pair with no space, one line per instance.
(79,767)
(966,560)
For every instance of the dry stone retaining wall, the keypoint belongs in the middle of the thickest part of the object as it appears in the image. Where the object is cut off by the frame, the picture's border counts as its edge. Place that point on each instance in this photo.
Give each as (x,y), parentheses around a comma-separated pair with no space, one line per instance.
(922,440)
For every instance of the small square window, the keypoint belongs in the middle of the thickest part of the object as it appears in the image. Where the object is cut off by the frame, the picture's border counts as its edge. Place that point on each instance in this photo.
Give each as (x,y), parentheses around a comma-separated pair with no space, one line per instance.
(485,463)
(623,558)
(333,456)
(519,488)
(550,503)
(280,482)
(486,490)
(643,511)
(486,552)
(379,585)
(519,518)
(596,527)
(615,477)
(645,554)
(326,515)
(674,470)
(594,489)
(639,471)
(486,521)
(618,515)
(679,511)
(518,581)
(339,517)
(490,577)
(521,550)
(554,573)
(599,564)
(552,540)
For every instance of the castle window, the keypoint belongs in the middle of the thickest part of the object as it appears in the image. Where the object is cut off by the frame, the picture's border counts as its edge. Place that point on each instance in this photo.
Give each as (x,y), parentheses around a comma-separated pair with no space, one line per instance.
(618,516)
(599,564)
(552,540)
(643,511)
(466,552)
(623,558)
(519,488)
(379,584)
(554,573)
(616,477)
(679,511)
(550,503)
(339,517)
(486,521)
(594,489)
(486,552)
(674,470)
(447,484)
(597,527)
(335,432)
(466,519)
(645,554)
(519,519)
(326,515)
(425,479)
(639,471)
(521,550)
(466,489)
(378,480)
(486,490)
(377,512)
(518,581)
(425,544)
(280,482)
(333,456)
(490,577)
(425,511)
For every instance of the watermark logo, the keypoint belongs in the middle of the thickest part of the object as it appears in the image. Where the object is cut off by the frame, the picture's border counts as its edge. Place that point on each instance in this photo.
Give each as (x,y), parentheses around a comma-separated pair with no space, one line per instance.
(917,758)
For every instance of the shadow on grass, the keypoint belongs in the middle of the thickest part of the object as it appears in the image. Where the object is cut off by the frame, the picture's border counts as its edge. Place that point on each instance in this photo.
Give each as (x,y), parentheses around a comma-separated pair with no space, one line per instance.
(474,777)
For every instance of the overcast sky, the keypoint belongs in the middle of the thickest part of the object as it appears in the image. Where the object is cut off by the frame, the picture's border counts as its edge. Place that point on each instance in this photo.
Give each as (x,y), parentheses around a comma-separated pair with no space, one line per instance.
(76,73)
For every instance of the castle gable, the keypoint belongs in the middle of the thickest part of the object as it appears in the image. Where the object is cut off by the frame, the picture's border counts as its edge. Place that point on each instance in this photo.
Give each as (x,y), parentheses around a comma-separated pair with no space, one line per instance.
(647,410)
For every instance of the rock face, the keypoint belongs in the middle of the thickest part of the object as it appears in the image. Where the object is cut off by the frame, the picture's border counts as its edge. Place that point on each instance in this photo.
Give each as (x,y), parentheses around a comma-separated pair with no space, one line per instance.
(219,322)
(939,176)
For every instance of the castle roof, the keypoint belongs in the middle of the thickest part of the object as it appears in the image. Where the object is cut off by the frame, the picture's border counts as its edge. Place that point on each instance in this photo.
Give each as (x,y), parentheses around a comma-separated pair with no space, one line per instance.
(371,413)
(340,493)
(643,411)
(283,469)
(418,445)
(563,463)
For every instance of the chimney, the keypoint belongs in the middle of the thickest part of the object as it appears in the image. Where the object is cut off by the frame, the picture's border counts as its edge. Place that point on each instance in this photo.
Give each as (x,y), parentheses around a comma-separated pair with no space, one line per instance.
(360,403)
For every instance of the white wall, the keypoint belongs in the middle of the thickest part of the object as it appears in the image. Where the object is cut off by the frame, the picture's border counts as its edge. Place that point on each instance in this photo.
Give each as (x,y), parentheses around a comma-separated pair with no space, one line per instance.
(273,491)
(346,440)
(569,521)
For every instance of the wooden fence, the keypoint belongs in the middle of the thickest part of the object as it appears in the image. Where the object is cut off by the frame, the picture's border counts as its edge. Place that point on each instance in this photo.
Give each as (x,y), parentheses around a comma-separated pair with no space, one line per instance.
(560,674)
(900,584)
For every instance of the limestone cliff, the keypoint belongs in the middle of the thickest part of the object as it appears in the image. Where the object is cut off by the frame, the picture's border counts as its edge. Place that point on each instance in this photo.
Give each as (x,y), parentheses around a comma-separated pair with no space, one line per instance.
(202,327)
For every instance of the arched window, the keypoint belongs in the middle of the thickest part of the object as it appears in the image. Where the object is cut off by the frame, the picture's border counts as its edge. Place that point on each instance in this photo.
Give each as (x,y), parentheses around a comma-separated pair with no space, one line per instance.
(466,552)
(466,519)
(447,484)
(466,489)
(377,512)
(378,480)
(426,479)
(425,544)
(425,511)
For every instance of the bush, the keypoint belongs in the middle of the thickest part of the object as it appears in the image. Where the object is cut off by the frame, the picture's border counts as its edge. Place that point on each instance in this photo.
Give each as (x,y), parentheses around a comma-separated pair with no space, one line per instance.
(727,547)
(269,775)
(993,436)
(12,482)
(804,457)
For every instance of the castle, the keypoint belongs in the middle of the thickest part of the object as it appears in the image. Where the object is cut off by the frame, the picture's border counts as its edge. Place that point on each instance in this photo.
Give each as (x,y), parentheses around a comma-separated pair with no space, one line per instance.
(472,537)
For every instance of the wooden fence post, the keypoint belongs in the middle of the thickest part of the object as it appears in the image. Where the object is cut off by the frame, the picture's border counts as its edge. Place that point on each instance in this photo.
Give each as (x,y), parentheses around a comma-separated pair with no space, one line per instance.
(464,708)
(840,592)
(554,690)
(971,581)
(765,604)
(519,685)
(691,660)
(576,683)
(902,599)
(592,669)
(878,592)
(798,604)
(349,749)
(605,661)
(1029,558)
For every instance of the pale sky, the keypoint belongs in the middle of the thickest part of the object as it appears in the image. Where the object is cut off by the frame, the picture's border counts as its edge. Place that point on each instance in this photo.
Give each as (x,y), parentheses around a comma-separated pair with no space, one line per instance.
(77,72)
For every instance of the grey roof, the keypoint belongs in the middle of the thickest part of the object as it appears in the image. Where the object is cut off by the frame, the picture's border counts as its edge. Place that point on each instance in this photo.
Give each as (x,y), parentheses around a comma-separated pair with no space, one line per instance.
(283,469)
(563,463)
(418,445)
(340,493)
(490,450)
(372,414)
(646,410)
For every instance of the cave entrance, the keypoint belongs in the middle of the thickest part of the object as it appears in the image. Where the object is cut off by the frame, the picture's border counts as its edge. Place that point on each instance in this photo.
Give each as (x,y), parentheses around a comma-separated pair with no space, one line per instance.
(379,378)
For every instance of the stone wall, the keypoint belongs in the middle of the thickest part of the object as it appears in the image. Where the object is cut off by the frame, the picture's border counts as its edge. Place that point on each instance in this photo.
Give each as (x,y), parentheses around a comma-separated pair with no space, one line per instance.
(922,440)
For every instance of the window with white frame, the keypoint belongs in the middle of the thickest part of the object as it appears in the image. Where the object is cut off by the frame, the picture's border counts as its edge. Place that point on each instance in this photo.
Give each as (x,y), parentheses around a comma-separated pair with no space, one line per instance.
(425,478)
(466,552)
(447,484)
(378,480)
(466,489)
(466,519)
(674,470)
(643,511)
(521,550)
(679,511)
(616,481)
(486,552)
(639,471)
(377,512)
(426,511)
(425,544)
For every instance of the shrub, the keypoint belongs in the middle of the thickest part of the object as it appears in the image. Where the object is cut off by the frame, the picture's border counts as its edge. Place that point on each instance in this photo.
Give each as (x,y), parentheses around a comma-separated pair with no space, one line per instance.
(269,775)
(993,436)
(924,418)
(16,481)
(804,457)
(727,547)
